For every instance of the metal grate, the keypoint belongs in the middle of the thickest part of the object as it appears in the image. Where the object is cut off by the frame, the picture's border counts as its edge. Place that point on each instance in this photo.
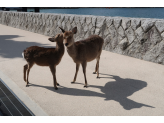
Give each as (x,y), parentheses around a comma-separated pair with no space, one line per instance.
(10,104)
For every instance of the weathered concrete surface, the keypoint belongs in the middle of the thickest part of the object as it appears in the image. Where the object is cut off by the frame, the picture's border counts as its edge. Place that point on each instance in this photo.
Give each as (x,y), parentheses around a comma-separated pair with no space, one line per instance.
(127,86)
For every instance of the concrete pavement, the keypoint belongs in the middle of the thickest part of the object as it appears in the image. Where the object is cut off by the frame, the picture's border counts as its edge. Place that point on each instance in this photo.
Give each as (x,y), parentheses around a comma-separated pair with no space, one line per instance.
(127,86)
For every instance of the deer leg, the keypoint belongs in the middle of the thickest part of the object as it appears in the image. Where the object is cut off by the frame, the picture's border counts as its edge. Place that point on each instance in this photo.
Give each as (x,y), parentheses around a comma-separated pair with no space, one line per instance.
(97,65)
(53,71)
(77,69)
(28,70)
(24,71)
(84,65)
(95,68)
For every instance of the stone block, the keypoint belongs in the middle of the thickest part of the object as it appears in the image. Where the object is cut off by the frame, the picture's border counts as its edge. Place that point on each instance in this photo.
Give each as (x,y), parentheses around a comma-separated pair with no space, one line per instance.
(157,50)
(62,18)
(126,22)
(130,34)
(121,46)
(133,50)
(109,21)
(77,19)
(73,24)
(68,25)
(162,35)
(82,34)
(87,34)
(160,59)
(59,23)
(54,17)
(121,32)
(97,31)
(51,22)
(93,30)
(102,30)
(107,45)
(117,22)
(113,35)
(147,24)
(160,25)
(78,26)
(154,36)
(71,19)
(66,18)
(63,25)
(90,26)
(57,17)
(85,27)
(100,21)
(88,20)
(106,32)
(140,35)
(94,19)
(82,19)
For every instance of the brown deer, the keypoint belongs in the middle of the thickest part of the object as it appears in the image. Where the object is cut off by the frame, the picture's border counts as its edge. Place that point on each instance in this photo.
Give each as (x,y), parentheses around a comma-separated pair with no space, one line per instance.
(83,51)
(44,57)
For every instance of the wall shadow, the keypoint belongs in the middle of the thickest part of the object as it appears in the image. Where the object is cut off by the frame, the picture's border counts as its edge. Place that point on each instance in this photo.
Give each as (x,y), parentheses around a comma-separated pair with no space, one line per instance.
(117,90)
(13,49)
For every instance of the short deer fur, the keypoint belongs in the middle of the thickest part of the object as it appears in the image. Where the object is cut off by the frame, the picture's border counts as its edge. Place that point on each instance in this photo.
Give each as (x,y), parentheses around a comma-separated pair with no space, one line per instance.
(44,57)
(83,51)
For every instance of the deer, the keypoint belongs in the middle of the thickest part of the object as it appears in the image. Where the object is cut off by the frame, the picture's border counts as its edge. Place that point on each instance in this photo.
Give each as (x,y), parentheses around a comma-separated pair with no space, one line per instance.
(83,51)
(44,57)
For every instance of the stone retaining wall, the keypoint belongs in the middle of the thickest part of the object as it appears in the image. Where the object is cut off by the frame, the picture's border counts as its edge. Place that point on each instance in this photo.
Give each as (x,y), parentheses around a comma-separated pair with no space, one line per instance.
(136,37)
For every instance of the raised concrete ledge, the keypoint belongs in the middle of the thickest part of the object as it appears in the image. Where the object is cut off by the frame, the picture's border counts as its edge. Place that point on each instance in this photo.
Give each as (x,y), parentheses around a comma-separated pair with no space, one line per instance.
(27,102)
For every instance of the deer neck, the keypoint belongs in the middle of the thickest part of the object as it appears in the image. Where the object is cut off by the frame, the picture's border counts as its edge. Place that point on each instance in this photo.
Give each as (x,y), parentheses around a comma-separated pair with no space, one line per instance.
(60,47)
(72,50)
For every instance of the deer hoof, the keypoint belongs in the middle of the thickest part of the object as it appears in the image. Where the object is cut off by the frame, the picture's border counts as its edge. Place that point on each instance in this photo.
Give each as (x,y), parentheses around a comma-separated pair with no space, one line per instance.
(94,72)
(57,84)
(72,82)
(98,77)
(56,88)
(85,86)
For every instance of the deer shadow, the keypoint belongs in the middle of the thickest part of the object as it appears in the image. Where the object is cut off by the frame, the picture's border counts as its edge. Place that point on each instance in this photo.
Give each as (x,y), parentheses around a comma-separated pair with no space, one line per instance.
(120,89)
(13,49)
(117,90)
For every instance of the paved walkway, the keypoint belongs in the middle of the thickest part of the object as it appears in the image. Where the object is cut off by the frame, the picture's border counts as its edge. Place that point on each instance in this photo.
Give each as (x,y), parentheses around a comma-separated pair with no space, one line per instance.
(127,86)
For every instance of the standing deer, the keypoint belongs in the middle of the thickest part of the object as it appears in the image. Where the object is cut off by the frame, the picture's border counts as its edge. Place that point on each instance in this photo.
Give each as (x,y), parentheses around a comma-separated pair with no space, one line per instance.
(44,57)
(83,51)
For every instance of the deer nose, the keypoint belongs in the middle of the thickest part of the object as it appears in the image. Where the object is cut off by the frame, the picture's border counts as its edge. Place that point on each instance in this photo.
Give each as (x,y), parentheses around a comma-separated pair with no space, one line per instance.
(66,44)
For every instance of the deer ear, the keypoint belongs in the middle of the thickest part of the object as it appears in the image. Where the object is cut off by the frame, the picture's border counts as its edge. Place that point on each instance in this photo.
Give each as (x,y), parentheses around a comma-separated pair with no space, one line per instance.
(51,39)
(58,35)
(74,30)
(62,29)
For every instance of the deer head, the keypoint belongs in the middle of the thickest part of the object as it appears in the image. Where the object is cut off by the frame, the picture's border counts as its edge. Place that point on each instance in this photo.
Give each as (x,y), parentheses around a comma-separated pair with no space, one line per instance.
(57,38)
(68,36)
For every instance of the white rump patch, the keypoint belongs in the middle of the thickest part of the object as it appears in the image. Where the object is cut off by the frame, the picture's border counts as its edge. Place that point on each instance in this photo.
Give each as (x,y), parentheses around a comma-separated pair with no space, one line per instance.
(23,54)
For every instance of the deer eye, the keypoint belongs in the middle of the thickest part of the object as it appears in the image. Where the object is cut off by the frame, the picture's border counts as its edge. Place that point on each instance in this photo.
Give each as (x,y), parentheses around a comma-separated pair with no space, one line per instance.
(70,37)
(66,37)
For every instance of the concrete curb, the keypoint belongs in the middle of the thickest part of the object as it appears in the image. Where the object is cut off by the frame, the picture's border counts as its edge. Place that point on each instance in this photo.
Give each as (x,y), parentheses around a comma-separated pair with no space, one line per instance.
(27,102)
